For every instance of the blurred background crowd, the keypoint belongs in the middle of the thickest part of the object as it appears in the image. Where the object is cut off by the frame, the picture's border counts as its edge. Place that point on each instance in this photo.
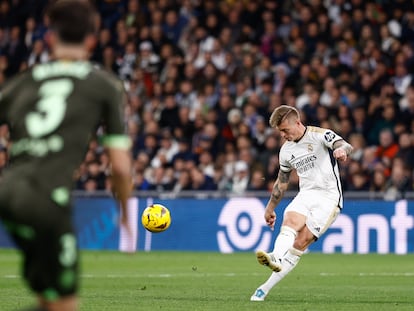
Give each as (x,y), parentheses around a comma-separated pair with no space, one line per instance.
(202,78)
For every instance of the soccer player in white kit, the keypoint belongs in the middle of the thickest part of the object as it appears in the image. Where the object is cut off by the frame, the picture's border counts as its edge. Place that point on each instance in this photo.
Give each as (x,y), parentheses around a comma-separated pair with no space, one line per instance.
(314,153)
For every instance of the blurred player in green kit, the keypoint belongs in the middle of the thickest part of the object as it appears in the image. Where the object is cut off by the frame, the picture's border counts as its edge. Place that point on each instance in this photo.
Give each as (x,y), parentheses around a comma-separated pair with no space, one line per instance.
(52,110)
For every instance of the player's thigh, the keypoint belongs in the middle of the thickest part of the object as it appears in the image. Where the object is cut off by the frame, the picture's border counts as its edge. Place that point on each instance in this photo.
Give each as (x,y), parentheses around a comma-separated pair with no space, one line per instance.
(295,213)
(321,215)
(294,220)
(44,232)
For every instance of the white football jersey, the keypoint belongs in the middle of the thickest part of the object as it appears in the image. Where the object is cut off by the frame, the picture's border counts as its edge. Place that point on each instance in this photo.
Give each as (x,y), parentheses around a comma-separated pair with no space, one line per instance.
(312,158)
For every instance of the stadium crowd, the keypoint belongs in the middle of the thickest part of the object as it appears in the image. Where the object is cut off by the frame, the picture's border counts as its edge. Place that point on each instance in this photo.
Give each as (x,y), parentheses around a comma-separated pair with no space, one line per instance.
(202,78)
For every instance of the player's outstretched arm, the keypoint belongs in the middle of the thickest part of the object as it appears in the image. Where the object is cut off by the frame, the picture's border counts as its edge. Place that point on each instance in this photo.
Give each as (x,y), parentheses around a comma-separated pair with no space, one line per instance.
(341,150)
(279,188)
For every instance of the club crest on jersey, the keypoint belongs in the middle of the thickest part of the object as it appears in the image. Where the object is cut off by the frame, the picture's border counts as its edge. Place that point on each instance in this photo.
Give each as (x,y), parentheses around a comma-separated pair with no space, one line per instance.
(310,148)
(329,136)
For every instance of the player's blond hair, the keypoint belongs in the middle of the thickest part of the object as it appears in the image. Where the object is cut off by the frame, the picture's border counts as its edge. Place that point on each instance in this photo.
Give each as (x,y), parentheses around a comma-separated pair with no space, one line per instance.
(281,113)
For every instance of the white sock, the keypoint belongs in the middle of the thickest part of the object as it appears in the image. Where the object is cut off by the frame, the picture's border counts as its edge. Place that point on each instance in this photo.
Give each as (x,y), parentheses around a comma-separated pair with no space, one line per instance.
(289,262)
(284,241)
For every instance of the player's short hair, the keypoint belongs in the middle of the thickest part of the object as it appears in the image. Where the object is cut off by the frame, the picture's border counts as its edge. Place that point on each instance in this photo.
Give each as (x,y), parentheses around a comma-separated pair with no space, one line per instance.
(72,20)
(281,113)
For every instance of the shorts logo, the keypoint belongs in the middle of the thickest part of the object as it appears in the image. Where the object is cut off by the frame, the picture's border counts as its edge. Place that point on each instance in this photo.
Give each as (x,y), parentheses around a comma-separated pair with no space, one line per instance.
(329,136)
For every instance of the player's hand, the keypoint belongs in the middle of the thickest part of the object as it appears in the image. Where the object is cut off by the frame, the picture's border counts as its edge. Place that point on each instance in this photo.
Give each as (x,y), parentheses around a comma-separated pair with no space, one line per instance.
(270,218)
(340,154)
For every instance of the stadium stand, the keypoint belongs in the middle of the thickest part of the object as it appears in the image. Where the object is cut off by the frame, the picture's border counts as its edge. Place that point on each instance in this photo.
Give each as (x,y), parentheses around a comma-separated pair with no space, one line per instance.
(202,78)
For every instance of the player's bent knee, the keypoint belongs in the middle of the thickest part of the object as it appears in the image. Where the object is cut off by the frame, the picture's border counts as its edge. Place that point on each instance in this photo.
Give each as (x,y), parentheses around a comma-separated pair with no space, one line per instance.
(302,241)
(288,230)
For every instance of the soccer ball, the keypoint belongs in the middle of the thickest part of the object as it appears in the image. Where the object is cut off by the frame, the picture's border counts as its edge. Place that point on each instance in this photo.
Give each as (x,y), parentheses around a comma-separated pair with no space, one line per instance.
(156,218)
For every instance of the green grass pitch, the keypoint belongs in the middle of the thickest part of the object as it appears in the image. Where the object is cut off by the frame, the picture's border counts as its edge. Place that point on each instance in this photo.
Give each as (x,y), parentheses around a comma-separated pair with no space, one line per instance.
(213,281)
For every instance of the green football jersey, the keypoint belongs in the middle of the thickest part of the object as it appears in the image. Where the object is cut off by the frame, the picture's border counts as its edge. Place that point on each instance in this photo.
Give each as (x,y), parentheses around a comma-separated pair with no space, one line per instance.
(52,110)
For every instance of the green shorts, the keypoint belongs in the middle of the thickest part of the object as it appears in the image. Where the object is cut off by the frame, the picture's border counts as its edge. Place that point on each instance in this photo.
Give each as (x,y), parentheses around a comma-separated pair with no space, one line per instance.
(43,231)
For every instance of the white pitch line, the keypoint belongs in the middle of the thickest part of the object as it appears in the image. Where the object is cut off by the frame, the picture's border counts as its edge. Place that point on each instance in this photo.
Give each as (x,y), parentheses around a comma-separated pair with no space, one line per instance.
(369,274)
(160,275)
(202,274)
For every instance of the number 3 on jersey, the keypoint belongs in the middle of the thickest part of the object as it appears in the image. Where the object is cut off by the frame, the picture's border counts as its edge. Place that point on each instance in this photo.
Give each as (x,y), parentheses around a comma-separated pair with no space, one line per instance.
(51,107)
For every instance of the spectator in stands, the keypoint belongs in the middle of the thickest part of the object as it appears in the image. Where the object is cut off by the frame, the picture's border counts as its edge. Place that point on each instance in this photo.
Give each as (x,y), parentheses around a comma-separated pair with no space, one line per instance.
(400,181)
(196,63)
(406,150)
(378,182)
(168,149)
(241,177)
(387,148)
(257,181)
(200,181)
(160,178)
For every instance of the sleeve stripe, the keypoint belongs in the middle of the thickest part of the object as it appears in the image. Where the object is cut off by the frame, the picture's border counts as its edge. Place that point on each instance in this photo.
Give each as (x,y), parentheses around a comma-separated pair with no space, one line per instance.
(116,141)
(285,168)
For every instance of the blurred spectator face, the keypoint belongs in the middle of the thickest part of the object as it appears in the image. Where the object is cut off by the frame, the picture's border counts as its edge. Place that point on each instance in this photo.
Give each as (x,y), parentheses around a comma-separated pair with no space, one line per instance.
(157,17)
(386,138)
(4,7)
(410,96)
(354,167)
(167,52)
(271,142)
(91,185)
(366,32)
(257,180)
(184,114)
(398,173)
(260,125)
(210,130)
(171,18)
(357,141)
(150,142)
(405,140)
(206,158)
(186,87)
(142,161)
(30,24)
(359,115)
(156,33)
(179,165)
(313,30)
(210,71)
(246,155)
(93,168)
(197,177)
(243,142)
(211,21)
(379,179)
(225,36)
(336,30)
(359,181)
(108,54)
(389,112)
(400,70)
(184,179)
(104,36)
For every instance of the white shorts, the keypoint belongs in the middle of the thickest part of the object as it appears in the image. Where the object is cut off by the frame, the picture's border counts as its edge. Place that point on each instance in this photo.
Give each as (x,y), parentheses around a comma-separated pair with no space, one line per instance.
(320,212)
